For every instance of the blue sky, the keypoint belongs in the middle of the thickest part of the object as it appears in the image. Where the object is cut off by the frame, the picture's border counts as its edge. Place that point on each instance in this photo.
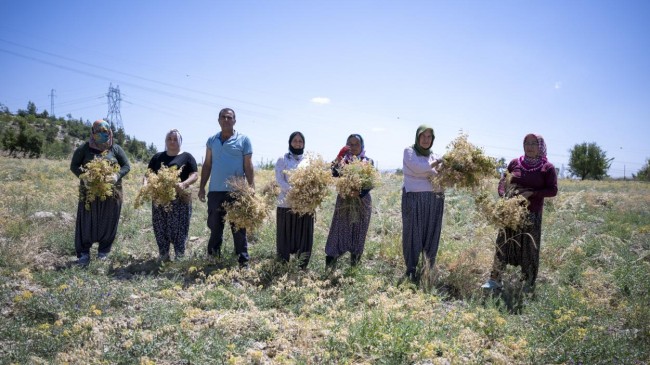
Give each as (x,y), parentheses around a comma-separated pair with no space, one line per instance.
(573,71)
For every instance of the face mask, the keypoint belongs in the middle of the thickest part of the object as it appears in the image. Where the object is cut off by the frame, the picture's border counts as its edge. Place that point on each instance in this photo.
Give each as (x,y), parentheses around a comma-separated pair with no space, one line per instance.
(101,137)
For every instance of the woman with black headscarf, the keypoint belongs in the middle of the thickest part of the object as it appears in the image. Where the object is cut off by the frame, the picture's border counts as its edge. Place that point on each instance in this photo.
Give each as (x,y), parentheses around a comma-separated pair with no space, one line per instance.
(422,203)
(295,232)
(99,222)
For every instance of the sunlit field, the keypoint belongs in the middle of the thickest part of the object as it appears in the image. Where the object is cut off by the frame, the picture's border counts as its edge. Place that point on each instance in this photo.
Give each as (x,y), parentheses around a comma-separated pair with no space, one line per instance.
(590,307)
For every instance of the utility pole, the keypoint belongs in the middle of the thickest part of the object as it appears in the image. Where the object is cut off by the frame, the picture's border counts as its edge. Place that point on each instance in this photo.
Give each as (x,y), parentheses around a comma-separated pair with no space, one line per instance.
(114,99)
(52,96)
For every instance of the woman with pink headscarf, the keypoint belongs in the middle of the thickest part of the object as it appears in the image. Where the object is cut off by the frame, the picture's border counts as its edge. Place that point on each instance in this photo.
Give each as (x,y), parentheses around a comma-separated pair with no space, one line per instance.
(533,177)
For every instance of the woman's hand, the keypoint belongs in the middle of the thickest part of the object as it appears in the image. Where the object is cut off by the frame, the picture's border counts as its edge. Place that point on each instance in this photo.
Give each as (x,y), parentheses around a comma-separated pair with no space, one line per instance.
(525,192)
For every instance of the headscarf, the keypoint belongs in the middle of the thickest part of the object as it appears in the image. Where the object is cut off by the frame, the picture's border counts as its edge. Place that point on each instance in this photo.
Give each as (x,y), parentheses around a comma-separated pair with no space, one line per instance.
(178,137)
(418,149)
(296,151)
(534,163)
(101,136)
(349,156)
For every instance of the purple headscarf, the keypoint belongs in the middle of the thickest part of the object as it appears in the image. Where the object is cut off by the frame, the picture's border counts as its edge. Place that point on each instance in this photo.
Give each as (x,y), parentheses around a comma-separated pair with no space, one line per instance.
(534,163)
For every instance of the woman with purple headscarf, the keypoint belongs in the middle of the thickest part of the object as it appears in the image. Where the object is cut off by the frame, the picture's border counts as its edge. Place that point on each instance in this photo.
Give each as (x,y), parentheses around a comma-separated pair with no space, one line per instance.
(347,233)
(99,223)
(533,177)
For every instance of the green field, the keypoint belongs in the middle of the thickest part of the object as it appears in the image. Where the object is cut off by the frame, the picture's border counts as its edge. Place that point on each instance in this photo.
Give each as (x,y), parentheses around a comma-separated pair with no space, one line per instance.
(591,303)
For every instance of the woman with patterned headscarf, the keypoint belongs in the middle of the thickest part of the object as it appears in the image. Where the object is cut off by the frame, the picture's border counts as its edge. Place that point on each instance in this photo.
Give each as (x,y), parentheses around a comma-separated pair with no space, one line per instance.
(348,234)
(294,232)
(171,224)
(533,177)
(99,223)
(422,203)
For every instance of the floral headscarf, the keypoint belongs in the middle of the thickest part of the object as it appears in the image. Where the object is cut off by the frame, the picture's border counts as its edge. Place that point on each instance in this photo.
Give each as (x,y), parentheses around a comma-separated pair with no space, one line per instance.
(534,163)
(349,156)
(101,136)
(419,150)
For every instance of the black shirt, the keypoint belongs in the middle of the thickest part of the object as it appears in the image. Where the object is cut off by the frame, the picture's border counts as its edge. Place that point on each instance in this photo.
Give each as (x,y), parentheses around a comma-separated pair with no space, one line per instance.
(183,160)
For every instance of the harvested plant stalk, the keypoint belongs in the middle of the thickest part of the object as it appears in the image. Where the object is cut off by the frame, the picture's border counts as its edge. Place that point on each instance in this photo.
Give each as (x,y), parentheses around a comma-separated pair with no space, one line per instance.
(247,210)
(160,188)
(464,165)
(96,176)
(309,186)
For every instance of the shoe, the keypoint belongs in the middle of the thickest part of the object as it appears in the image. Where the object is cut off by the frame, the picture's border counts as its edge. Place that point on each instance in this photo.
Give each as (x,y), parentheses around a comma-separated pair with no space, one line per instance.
(163,257)
(492,284)
(102,255)
(243,266)
(330,261)
(355,259)
(84,259)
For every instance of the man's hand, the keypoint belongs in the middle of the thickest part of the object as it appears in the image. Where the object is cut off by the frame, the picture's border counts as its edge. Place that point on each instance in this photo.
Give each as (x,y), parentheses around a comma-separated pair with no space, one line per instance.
(202,194)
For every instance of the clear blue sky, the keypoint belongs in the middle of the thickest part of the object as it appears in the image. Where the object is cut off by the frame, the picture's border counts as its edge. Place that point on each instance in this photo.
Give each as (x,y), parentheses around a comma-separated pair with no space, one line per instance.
(573,71)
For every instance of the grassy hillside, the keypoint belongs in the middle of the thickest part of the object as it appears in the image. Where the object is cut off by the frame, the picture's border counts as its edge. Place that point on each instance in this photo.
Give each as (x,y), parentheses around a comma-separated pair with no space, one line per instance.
(591,305)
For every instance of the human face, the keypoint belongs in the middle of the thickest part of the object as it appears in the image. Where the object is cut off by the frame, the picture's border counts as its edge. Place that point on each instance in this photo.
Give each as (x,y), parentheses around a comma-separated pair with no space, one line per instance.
(355,146)
(297,142)
(227,121)
(531,147)
(171,142)
(425,139)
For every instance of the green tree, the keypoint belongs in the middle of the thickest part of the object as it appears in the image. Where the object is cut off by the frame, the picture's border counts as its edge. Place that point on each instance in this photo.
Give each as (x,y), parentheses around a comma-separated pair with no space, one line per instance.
(644,173)
(588,161)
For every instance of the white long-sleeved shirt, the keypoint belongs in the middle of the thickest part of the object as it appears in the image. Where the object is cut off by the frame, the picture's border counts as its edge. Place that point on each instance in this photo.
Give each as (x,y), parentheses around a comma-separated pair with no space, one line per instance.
(287,163)
(417,171)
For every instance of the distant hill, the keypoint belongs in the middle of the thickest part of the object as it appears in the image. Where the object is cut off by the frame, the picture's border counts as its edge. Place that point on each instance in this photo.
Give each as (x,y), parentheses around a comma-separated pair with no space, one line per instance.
(30,134)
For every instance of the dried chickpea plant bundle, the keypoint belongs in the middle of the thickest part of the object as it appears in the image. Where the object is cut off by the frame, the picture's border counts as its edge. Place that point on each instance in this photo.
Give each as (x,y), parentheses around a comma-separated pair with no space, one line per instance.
(248,210)
(160,188)
(96,176)
(507,212)
(354,177)
(309,186)
(464,165)
(270,191)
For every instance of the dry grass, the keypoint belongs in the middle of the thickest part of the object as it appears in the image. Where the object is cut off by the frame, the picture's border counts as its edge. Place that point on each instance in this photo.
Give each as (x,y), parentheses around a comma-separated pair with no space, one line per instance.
(309,186)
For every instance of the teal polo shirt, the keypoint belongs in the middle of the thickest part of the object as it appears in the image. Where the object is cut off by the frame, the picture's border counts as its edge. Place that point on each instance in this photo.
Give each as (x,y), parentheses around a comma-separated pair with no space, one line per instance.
(227,159)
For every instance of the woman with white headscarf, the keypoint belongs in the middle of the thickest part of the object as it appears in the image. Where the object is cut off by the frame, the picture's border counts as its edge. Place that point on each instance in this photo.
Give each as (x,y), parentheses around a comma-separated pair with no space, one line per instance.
(171,224)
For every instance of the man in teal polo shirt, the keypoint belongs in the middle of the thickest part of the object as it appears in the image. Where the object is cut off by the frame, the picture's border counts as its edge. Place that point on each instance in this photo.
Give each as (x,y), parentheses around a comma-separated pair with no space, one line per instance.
(227,154)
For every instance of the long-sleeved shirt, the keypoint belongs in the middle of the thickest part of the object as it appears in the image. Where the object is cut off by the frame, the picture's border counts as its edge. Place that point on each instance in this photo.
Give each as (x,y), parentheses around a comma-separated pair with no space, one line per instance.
(543,183)
(417,171)
(84,154)
(286,163)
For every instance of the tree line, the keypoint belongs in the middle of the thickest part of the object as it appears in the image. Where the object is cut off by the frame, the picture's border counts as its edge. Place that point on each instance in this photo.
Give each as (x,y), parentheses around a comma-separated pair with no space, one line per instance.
(31,134)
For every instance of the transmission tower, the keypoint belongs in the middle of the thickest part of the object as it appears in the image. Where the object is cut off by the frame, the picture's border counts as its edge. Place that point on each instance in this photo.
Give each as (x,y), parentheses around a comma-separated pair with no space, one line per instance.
(114,99)
(52,96)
